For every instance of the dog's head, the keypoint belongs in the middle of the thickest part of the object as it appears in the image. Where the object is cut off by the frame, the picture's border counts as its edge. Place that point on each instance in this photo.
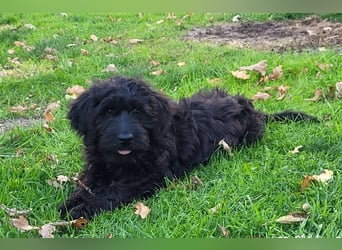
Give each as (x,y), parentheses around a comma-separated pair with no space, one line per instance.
(120,117)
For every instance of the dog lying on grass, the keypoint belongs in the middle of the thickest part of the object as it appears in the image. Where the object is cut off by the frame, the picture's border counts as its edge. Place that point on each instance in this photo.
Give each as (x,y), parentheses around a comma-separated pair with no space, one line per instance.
(135,137)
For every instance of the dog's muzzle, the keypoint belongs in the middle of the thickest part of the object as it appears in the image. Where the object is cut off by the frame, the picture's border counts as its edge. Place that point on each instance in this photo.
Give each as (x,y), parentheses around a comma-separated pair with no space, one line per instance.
(125,140)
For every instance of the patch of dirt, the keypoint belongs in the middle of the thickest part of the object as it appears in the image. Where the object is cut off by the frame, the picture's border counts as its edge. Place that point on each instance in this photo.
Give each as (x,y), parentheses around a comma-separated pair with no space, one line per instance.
(279,36)
(20,122)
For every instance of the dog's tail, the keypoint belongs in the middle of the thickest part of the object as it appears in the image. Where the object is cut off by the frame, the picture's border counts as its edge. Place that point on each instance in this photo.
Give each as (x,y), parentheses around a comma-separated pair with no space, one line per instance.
(290,115)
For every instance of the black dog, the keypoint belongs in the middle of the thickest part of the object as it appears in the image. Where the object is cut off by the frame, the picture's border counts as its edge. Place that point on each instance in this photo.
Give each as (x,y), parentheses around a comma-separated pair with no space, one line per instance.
(135,137)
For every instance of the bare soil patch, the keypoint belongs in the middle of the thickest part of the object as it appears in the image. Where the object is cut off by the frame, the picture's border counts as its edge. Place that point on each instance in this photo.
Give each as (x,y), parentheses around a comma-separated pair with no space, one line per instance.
(279,36)
(19,122)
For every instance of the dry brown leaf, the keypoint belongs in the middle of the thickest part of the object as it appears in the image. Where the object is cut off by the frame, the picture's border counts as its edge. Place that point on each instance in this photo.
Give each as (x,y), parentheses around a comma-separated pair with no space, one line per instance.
(18,109)
(142,210)
(110,40)
(94,38)
(111,68)
(13,212)
(11,51)
(157,72)
(225,147)
(47,127)
(135,41)
(324,177)
(261,96)
(338,91)
(51,51)
(225,231)
(259,67)
(154,63)
(48,111)
(51,57)
(22,224)
(241,74)
(292,218)
(296,149)
(317,95)
(84,52)
(75,90)
(79,223)
(47,231)
(196,181)
(325,66)
(305,183)
(276,74)
(282,92)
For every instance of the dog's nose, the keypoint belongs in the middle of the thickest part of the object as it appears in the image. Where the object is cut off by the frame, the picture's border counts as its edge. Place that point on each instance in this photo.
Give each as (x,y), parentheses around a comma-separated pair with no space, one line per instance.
(125,137)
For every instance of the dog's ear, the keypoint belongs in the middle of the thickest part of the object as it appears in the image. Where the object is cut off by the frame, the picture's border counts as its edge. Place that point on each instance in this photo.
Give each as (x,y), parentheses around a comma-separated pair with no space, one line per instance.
(79,112)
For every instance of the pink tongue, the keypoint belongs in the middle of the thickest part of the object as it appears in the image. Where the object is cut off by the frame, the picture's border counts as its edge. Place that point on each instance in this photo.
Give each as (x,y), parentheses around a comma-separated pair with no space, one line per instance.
(124,152)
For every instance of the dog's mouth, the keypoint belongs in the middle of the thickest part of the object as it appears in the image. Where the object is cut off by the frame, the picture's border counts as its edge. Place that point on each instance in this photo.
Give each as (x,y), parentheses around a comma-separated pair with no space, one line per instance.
(124,151)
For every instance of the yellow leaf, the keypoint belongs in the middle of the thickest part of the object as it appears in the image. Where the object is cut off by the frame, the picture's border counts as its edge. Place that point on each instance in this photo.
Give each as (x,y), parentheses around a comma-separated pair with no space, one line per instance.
(181,64)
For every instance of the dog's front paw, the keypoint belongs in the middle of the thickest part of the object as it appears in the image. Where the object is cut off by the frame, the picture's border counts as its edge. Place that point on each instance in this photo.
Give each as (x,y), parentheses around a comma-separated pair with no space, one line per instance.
(75,211)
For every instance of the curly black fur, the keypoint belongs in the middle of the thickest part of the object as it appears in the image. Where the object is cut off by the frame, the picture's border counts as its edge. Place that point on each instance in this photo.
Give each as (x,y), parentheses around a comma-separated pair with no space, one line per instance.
(135,137)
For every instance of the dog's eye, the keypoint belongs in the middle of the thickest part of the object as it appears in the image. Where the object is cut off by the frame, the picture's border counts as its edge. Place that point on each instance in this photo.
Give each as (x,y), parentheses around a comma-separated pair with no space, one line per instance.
(110,111)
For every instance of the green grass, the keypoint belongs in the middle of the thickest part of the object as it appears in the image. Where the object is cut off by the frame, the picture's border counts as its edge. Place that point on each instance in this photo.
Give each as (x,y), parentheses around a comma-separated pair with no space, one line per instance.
(254,187)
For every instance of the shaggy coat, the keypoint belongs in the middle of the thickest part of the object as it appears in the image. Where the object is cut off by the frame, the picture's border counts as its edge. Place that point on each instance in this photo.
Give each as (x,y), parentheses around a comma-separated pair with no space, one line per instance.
(135,137)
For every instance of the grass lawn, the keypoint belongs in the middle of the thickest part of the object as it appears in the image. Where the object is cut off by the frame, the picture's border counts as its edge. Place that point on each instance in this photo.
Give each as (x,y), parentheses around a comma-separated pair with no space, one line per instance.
(41,55)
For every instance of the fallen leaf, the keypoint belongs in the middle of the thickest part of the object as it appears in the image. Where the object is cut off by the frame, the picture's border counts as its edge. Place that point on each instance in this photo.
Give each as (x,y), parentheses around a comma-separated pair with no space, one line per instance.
(305,183)
(154,62)
(225,231)
(84,52)
(241,74)
(215,209)
(51,57)
(181,64)
(142,210)
(293,218)
(51,51)
(261,96)
(48,111)
(331,92)
(306,207)
(158,72)
(79,223)
(13,212)
(110,40)
(47,231)
(324,177)
(11,51)
(22,224)
(196,181)
(135,41)
(282,92)
(259,67)
(94,38)
(296,149)
(225,147)
(111,68)
(47,127)
(338,92)
(160,21)
(317,95)
(75,90)
(276,73)
(18,109)
(325,66)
